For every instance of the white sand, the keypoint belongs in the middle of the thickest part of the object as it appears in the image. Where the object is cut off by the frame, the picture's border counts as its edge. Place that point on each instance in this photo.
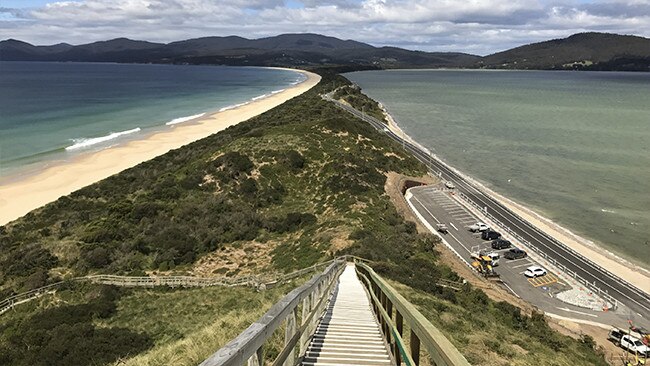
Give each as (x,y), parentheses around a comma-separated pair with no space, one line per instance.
(630,272)
(22,195)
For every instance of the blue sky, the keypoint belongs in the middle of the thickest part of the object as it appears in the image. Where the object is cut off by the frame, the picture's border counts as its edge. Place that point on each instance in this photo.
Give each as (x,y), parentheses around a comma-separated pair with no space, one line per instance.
(474,26)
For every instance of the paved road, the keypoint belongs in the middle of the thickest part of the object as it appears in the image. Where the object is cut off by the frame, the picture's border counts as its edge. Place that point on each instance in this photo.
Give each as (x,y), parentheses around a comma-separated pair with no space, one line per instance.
(436,205)
(633,298)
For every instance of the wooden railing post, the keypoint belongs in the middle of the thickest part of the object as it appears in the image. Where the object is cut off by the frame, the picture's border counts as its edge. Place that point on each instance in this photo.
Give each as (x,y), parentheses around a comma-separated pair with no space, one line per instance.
(289,331)
(257,359)
(389,310)
(399,323)
(304,337)
(415,348)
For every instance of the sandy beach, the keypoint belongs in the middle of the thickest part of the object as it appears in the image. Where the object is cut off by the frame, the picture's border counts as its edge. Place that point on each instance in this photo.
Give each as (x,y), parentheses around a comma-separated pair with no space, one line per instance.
(630,272)
(20,196)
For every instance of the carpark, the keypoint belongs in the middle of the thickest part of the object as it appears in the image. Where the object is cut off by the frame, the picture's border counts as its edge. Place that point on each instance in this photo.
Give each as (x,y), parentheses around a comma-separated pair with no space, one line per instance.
(436,205)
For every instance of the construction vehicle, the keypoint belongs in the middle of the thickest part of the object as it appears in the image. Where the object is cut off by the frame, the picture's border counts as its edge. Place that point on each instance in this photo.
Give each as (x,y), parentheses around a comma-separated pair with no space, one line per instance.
(483,264)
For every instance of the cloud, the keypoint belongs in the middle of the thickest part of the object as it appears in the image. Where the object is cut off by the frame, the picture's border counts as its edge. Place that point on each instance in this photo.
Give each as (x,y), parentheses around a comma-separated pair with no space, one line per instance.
(477,26)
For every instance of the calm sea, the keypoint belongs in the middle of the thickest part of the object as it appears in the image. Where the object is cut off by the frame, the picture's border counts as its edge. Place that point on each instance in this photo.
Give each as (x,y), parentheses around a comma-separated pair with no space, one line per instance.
(574,146)
(52,111)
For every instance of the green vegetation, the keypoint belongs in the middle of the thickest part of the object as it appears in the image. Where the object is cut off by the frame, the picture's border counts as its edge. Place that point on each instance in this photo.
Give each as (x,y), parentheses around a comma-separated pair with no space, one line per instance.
(497,333)
(87,324)
(303,182)
(352,95)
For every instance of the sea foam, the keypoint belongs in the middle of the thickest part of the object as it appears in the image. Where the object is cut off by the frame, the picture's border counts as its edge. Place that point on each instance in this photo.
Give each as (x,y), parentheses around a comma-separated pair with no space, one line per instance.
(184,119)
(233,106)
(87,142)
(260,97)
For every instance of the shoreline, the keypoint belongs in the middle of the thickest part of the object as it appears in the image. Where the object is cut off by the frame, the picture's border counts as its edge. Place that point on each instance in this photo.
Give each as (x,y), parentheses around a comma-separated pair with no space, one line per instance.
(630,272)
(23,194)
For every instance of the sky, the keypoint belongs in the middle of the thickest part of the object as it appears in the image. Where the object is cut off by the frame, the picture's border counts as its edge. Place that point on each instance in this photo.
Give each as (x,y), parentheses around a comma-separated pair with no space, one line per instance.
(473,26)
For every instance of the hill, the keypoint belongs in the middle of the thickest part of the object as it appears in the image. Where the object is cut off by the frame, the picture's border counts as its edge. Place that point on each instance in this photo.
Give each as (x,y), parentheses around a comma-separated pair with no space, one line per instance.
(298,184)
(589,51)
(292,50)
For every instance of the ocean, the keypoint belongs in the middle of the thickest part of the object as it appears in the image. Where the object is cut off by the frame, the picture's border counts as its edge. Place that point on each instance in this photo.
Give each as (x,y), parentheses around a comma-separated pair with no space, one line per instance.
(52,112)
(573,146)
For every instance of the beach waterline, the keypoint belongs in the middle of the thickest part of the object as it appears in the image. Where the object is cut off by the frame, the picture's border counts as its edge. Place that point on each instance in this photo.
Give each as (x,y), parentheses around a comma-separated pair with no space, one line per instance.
(21,194)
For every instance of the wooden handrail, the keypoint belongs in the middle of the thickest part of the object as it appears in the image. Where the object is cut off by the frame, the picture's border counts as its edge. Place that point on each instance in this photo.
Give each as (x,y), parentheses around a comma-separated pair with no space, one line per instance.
(248,346)
(171,281)
(439,348)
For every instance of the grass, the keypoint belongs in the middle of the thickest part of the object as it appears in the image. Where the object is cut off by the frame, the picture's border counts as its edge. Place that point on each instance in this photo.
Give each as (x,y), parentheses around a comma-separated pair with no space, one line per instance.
(488,337)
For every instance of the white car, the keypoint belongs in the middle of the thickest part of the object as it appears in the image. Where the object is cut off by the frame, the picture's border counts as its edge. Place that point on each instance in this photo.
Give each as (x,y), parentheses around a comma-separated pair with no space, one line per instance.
(634,345)
(535,271)
(449,185)
(479,226)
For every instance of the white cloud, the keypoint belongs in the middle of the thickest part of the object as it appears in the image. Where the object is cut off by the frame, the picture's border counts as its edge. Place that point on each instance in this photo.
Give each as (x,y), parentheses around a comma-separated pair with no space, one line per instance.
(478,26)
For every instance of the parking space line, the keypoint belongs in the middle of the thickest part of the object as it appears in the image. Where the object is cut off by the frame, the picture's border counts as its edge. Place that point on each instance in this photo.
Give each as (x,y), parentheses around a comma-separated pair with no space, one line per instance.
(517,260)
(521,265)
(543,280)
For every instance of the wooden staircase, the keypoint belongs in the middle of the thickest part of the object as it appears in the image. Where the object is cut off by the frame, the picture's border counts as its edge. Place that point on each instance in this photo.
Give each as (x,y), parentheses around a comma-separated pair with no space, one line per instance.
(348,333)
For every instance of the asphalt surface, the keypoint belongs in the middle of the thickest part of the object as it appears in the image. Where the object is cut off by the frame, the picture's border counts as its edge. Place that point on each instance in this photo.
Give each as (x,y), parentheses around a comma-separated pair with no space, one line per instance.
(436,206)
(634,299)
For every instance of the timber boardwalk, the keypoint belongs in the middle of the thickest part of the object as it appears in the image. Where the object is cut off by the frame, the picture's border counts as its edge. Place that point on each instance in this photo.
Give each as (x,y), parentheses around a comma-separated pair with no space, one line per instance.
(348,333)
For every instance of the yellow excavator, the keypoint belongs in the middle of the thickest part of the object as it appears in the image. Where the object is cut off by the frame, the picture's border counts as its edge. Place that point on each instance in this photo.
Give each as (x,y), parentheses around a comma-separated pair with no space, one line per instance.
(483,264)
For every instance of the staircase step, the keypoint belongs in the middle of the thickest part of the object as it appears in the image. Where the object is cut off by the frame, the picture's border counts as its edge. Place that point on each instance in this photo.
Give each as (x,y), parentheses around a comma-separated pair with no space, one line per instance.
(348,333)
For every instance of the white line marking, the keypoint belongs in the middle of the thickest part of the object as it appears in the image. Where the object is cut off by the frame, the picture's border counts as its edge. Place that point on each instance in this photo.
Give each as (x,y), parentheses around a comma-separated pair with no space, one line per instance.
(577,312)
(521,265)
(511,290)
(518,260)
(458,241)
(424,207)
(452,225)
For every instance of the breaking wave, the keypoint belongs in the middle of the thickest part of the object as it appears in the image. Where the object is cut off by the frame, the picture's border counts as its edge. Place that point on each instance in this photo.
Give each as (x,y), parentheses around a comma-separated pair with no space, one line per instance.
(88,142)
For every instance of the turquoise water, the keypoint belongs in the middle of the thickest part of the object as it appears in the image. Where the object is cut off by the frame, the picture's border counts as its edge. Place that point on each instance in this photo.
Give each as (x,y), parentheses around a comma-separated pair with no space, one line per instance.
(53,111)
(574,146)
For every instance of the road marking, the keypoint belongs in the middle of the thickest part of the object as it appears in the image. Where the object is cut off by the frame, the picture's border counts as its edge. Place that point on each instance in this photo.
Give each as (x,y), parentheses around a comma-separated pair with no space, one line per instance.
(577,312)
(543,280)
(426,209)
(517,260)
(452,225)
(511,290)
(458,241)
(521,265)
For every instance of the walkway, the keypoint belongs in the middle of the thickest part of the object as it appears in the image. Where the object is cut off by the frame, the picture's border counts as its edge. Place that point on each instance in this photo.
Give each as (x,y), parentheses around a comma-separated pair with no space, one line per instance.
(348,333)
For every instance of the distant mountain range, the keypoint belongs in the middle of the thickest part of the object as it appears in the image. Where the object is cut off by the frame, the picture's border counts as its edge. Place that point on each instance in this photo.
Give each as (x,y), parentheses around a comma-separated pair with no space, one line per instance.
(595,51)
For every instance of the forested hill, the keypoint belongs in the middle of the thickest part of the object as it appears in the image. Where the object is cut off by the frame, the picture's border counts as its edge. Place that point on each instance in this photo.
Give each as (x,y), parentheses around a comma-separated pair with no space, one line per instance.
(295,50)
(588,51)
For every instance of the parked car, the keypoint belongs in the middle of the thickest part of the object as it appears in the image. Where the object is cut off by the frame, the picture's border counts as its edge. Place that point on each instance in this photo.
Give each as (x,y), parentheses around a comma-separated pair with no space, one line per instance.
(629,340)
(515,253)
(634,345)
(449,185)
(501,244)
(535,271)
(490,235)
(479,226)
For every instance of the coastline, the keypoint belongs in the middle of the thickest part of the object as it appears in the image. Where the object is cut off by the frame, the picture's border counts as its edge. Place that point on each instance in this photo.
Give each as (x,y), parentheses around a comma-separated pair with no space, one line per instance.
(630,272)
(22,195)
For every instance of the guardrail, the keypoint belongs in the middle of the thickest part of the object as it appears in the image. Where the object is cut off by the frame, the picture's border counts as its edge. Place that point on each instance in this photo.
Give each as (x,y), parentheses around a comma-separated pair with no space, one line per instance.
(476,186)
(170,281)
(603,294)
(309,300)
(392,311)
(12,301)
